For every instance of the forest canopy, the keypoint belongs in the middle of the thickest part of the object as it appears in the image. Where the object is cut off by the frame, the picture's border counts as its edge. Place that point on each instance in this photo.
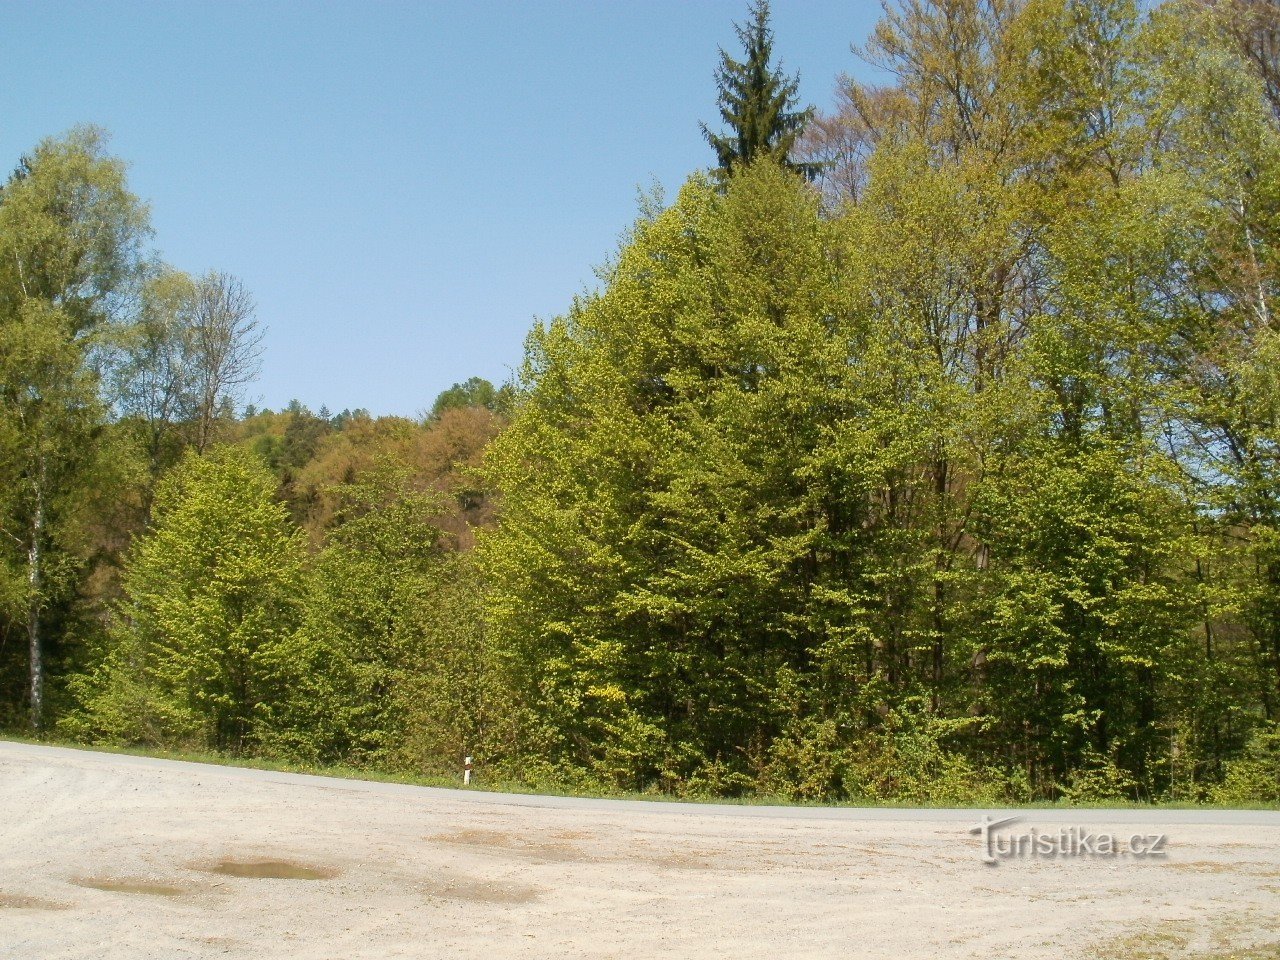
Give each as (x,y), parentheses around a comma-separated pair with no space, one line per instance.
(924,450)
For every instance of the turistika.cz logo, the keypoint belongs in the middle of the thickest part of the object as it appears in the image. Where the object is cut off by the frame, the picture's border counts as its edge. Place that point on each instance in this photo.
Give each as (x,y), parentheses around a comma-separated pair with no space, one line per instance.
(998,844)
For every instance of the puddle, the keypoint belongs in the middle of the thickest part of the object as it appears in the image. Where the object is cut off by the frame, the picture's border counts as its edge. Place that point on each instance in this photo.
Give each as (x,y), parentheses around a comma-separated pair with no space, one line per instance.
(476,891)
(271,870)
(12,901)
(118,885)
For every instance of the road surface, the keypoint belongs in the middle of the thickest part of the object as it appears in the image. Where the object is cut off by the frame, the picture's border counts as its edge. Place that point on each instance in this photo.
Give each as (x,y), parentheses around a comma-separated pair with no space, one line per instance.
(107,855)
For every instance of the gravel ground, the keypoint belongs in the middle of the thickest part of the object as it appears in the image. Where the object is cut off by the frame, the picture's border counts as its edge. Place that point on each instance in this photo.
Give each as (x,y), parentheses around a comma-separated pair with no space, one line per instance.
(114,856)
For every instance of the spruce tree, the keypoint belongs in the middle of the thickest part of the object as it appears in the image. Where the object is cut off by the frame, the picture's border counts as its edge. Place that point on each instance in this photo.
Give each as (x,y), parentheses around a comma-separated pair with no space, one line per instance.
(756,101)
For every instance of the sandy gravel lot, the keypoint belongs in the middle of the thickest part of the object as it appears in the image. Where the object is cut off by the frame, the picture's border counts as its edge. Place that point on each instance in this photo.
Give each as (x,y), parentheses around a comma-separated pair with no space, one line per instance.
(108,856)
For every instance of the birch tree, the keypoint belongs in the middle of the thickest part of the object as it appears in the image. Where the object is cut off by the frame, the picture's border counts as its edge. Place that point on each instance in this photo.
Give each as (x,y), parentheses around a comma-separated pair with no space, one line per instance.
(70,234)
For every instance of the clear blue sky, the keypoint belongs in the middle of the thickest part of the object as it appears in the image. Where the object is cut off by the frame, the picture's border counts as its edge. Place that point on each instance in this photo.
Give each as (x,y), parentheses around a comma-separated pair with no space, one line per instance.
(403,186)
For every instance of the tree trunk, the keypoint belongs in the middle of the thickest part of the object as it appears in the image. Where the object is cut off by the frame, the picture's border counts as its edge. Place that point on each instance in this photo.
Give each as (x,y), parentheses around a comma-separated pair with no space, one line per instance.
(34,586)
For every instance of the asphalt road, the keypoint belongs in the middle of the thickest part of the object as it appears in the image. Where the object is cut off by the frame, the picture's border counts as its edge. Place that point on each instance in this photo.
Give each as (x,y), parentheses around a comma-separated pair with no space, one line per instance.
(1157,816)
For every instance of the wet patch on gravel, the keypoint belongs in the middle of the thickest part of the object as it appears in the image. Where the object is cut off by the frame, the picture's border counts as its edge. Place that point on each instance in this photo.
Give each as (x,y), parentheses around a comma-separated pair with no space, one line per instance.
(271,870)
(127,885)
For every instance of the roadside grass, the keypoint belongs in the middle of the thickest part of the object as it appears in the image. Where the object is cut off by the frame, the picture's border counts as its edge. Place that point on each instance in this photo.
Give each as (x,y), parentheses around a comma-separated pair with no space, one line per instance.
(1173,940)
(1160,948)
(482,783)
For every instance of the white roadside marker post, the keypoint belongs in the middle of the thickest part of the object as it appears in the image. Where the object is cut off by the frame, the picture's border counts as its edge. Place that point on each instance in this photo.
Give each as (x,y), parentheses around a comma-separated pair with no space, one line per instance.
(466,772)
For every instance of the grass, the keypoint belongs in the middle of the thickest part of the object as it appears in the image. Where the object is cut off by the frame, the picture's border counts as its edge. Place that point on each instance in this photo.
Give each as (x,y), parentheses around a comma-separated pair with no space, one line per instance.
(1220,939)
(1173,941)
(1144,948)
(481,783)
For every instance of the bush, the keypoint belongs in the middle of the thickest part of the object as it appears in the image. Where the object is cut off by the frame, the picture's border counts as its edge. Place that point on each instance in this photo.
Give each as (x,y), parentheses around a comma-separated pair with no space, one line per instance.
(1253,777)
(1099,780)
(810,762)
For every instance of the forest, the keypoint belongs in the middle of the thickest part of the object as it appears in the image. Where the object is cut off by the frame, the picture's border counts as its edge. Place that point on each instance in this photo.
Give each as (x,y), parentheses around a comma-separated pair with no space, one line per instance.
(922,450)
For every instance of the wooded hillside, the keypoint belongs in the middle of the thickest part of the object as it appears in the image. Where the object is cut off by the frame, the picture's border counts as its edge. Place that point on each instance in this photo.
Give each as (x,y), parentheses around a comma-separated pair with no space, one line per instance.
(925,450)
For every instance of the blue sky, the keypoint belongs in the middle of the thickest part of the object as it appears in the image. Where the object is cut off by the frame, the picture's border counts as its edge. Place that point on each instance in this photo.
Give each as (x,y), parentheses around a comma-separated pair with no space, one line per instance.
(403,186)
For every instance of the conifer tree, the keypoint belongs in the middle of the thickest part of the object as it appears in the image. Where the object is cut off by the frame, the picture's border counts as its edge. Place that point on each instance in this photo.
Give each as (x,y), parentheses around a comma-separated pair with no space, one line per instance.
(757,102)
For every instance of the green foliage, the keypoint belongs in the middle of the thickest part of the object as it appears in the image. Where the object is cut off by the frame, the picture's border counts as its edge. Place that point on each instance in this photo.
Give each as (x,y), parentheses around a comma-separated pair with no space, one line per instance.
(961,489)
(756,102)
(1100,780)
(645,568)
(1253,777)
(343,670)
(1084,619)
(455,699)
(910,760)
(914,501)
(70,233)
(475,392)
(212,595)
